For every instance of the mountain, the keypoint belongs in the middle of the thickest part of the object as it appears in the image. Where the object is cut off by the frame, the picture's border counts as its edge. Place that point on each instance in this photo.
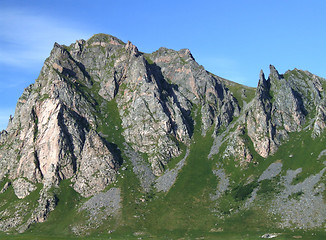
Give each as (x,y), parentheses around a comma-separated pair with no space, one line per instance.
(113,141)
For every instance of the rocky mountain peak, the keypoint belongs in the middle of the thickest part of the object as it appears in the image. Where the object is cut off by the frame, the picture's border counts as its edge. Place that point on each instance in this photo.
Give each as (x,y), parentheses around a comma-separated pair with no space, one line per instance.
(103,40)
(100,104)
(262,90)
(185,53)
(131,48)
(273,73)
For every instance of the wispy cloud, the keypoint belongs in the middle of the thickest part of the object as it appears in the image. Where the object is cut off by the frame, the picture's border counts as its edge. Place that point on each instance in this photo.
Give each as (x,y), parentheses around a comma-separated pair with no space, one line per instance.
(27,38)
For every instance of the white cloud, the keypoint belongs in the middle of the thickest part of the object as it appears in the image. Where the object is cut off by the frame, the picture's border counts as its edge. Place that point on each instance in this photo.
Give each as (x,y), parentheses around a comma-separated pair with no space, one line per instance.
(27,39)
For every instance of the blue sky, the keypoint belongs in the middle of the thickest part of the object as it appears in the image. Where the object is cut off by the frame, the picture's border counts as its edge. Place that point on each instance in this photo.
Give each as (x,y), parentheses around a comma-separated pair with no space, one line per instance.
(233,39)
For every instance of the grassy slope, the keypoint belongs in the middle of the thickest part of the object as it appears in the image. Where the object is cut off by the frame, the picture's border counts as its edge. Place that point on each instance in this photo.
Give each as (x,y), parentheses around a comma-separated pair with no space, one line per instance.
(240,92)
(185,211)
(301,151)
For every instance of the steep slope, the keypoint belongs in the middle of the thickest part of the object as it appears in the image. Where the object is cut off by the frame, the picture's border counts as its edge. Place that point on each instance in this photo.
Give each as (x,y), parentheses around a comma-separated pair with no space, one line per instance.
(57,131)
(110,138)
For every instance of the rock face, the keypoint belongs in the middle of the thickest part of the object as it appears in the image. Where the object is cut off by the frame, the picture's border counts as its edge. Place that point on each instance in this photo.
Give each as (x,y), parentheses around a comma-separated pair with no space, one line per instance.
(65,127)
(53,135)
(22,187)
(281,106)
(97,166)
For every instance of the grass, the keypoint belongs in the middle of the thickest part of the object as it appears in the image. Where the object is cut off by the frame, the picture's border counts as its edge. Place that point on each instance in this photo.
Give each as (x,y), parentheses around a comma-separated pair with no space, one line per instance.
(148,58)
(186,211)
(65,213)
(9,202)
(284,235)
(101,37)
(188,200)
(300,151)
(236,90)
(268,187)
(174,161)
(44,97)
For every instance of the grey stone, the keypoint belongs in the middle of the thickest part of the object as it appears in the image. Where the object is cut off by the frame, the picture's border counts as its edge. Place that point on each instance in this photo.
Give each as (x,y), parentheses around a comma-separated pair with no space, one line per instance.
(223,183)
(54,133)
(272,171)
(140,168)
(5,187)
(103,203)
(166,181)
(22,187)
(301,206)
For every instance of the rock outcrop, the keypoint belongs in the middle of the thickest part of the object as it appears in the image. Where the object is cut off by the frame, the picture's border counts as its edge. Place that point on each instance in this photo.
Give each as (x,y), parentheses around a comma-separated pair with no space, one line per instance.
(64,129)
(284,104)
(22,187)
(53,135)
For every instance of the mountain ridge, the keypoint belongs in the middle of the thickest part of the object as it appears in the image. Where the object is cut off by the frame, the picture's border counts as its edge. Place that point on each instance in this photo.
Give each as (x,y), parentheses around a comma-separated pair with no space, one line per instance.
(101,109)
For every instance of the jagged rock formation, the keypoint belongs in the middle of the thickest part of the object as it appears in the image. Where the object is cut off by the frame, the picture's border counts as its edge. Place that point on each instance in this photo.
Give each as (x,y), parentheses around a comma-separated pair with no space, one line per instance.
(53,134)
(101,101)
(282,104)
(22,187)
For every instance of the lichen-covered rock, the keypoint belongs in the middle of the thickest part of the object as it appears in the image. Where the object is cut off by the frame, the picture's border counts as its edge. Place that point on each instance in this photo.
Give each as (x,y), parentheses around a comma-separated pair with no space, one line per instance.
(46,203)
(45,139)
(259,125)
(237,148)
(320,122)
(281,106)
(22,187)
(62,128)
(97,167)
(155,94)
(194,85)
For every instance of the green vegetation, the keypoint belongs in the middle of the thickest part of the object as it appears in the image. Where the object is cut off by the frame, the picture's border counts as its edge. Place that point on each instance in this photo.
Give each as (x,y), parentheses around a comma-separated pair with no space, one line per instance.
(187,210)
(240,92)
(12,205)
(183,62)
(301,151)
(188,201)
(101,37)
(268,187)
(44,97)
(148,58)
(241,192)
(172,162)
(296,195)
(65,213)
(68,48)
